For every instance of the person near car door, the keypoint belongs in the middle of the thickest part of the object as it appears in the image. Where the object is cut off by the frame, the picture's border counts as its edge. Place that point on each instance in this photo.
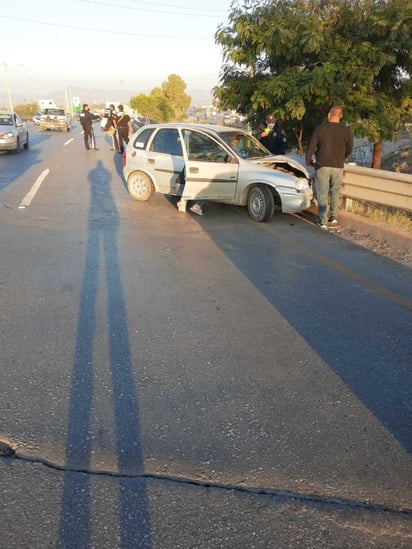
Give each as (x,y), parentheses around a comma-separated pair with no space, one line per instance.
(195,207)
(124,127)
(273,136)
(331,144)
(86,120)
(111,127)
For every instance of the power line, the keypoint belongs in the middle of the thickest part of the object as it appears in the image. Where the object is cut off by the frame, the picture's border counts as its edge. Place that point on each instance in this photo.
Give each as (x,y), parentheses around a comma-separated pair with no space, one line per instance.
(107,31)
(195,10)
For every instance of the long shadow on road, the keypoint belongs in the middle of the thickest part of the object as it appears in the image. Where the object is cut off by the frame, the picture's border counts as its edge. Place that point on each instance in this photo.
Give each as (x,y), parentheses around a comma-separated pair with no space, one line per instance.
(102,256)
(332,307)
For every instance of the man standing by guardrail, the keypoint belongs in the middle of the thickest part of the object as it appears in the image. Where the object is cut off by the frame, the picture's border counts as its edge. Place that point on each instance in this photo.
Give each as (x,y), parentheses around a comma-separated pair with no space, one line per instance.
(331,143)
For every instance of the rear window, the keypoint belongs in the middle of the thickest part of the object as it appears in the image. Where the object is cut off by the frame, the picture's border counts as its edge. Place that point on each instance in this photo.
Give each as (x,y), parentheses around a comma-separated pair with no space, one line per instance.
(141,140)
(167,141)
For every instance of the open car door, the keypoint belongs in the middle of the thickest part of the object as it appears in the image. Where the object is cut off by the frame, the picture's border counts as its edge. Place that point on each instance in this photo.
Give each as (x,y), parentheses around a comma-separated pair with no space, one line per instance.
(210,171)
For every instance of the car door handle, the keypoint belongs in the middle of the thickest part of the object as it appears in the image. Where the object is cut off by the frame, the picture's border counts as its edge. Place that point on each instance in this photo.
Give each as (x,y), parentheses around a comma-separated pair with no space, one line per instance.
(150,160)
(194,170)
(133,154)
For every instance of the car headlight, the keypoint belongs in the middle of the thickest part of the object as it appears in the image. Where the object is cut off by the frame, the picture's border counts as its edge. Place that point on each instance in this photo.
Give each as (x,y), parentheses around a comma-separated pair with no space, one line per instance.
(301,184)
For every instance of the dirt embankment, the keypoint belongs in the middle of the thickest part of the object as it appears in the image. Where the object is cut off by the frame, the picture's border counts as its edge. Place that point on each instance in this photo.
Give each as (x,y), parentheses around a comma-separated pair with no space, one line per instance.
(399,160)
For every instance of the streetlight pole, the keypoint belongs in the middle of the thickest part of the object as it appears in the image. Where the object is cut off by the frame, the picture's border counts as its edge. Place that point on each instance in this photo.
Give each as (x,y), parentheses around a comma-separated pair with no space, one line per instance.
(8,86)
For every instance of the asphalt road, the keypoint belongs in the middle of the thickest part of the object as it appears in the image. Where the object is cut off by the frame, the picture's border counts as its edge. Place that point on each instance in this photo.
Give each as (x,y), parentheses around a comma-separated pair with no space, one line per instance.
(169,380)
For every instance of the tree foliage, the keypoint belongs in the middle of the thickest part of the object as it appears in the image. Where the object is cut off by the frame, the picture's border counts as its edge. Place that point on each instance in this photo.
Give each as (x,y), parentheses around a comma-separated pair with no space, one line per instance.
(297,57)
(174,91)
(165,103)
(26,109)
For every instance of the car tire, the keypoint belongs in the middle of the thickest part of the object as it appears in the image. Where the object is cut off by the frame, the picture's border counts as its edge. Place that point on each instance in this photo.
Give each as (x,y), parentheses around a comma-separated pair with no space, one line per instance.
(140,186)
(26,145)
(260,203)
(18,146)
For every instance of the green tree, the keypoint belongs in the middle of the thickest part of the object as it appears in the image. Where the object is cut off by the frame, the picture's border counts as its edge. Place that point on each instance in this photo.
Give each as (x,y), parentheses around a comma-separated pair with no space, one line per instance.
(27,109)
(154,105)
(165,103)
(174,91)
(296,57)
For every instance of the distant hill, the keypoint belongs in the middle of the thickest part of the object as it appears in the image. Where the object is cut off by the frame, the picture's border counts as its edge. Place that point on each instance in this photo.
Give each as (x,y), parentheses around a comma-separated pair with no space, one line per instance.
(94,96)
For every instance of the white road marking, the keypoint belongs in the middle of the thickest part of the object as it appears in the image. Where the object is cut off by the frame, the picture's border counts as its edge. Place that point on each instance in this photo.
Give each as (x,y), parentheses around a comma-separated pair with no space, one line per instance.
(32,192)
(69,141)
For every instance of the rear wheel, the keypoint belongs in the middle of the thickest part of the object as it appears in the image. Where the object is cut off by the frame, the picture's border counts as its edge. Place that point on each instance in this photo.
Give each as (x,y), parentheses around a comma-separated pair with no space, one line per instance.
(26,145)
(140,186)
(260,204)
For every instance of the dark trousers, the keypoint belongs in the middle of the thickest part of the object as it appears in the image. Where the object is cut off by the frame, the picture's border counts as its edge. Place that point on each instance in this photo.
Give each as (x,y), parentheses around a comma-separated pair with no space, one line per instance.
(123,134)
(88,134)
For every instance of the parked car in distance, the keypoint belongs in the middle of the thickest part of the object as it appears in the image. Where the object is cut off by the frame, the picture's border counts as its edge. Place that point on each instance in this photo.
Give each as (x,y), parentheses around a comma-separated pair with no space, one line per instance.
(14,134)
(216,163)
(55,119)
(36,118)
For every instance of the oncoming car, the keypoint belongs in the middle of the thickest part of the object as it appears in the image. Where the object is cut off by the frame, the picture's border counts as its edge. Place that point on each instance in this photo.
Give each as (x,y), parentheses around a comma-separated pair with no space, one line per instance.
(55,119)
(216,163)
(13,132)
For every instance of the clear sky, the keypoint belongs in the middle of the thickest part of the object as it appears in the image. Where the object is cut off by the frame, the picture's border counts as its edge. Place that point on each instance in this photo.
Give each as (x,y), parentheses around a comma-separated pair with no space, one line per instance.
(129,44)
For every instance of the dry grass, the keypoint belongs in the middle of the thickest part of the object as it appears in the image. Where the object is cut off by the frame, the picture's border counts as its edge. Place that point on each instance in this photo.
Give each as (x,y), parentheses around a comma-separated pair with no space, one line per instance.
(391,216)
(399,161)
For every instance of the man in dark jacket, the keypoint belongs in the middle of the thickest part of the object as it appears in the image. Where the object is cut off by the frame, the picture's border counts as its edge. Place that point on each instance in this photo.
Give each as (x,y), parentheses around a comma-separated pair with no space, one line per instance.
(123,124)
(272,136)
(86,120)
(331,143)
(111,126)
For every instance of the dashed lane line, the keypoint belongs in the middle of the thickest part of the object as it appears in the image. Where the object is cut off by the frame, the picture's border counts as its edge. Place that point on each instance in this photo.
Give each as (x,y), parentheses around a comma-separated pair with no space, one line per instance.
(33,191)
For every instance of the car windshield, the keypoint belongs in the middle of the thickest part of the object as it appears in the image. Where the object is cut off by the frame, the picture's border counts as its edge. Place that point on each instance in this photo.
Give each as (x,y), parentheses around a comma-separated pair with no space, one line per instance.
(244,145)
(6,120)
(54,112)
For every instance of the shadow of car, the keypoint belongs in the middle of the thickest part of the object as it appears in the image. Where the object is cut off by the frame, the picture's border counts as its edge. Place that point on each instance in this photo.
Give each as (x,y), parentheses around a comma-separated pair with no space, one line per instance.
(14,134)
(219,163)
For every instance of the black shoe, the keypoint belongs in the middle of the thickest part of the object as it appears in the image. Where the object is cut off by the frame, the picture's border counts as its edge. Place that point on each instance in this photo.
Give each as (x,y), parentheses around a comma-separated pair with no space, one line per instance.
(332,220)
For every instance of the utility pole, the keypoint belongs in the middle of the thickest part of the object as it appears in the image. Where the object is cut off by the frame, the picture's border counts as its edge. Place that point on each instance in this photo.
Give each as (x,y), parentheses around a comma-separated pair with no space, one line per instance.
(8,86)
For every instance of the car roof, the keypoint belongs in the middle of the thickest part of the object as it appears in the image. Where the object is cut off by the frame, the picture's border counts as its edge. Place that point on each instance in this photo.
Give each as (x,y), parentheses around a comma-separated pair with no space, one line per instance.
(216,128)
(7,112)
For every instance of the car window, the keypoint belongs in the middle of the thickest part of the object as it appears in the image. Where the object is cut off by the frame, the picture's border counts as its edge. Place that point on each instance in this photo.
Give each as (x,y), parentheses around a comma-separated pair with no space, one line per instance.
(167,141)
(244,145)
(141,140)
(6,120)
(203,148)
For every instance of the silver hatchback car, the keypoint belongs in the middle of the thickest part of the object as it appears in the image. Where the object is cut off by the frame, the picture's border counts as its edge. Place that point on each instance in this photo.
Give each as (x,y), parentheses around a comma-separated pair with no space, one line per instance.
(219,163)
(13,132)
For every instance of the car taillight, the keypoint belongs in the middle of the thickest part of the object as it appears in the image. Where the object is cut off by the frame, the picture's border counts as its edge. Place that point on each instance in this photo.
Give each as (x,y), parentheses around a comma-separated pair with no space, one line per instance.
(124,158)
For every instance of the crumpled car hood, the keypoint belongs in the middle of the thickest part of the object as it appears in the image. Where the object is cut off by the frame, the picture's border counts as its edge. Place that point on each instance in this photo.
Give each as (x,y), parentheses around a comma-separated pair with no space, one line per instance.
(294,164)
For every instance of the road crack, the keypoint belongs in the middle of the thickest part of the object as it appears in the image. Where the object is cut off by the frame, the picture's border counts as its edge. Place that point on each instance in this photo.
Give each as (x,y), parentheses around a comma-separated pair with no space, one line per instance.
(7,452)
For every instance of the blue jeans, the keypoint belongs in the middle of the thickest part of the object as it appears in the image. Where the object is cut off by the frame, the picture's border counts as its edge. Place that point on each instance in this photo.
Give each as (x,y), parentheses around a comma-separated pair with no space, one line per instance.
(328,180)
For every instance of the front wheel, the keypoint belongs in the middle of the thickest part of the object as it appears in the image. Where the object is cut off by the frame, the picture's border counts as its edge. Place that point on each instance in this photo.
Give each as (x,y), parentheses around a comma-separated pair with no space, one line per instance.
(260,204)
(18,146)
(140,186)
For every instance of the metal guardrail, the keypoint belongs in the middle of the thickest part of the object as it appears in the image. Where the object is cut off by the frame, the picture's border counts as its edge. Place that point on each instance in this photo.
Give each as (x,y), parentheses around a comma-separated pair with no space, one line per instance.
(379,186)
